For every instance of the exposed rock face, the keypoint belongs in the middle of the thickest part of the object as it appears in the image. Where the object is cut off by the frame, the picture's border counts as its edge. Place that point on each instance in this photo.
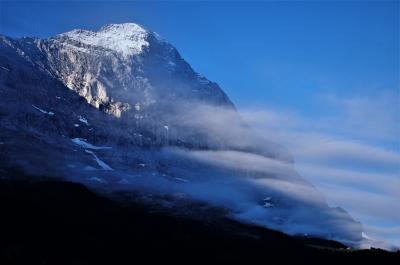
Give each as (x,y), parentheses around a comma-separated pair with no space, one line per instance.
(152,125)
(123,65)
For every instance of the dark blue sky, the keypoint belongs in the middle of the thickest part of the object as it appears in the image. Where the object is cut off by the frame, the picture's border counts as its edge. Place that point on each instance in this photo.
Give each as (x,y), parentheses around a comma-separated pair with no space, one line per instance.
(263,52)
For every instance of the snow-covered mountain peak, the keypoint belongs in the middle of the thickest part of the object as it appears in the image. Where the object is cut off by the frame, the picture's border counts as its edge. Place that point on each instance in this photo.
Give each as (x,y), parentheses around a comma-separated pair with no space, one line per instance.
(130,28)
(126,39)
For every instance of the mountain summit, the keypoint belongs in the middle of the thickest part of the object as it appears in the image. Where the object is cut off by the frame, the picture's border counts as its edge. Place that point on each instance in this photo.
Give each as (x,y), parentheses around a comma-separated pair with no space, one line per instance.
(120,111)
(126,39)
(112,68)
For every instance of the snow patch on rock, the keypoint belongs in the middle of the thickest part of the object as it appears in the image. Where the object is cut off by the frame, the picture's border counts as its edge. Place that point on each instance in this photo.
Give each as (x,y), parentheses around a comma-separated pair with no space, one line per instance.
(83,143)
(99,162)
(43,111)
(127,38)
(83,120)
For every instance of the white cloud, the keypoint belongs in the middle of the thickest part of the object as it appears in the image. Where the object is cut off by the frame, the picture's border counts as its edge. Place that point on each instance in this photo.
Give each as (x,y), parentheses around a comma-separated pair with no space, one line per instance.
(392,234)
(339,149)
(376,116)
(351,154)
(244,161)
(379,182)
(371,206)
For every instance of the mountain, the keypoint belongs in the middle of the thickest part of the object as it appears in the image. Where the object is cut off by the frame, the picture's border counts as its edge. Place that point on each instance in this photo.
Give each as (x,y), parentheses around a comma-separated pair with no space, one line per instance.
(124,67)
(120,111)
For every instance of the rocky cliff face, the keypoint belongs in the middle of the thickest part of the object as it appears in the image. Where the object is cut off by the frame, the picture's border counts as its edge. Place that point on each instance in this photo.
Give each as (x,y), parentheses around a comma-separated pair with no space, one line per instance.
(124,67)
(120,110)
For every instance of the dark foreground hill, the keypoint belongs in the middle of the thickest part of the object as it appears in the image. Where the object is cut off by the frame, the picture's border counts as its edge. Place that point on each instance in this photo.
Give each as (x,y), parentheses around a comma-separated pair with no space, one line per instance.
(54,222)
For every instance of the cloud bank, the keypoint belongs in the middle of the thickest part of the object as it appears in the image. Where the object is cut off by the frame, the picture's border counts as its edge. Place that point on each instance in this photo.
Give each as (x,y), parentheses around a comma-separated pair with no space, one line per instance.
(351,154)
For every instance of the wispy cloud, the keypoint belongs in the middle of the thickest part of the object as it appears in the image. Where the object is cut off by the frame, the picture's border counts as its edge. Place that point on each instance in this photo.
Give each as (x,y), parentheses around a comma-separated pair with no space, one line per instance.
(347,150)
(387,183)
(242,180)
(376,116)
(351,153)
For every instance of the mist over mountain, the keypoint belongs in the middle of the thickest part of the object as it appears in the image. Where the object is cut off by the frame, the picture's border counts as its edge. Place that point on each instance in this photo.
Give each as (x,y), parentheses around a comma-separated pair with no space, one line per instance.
(119,110)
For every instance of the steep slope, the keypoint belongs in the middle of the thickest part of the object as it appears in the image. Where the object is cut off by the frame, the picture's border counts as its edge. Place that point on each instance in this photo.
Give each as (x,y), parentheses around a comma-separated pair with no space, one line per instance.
(120,110)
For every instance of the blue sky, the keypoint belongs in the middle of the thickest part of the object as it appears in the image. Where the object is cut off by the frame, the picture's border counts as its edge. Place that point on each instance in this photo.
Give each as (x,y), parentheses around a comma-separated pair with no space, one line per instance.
(321,77)
(266,52)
